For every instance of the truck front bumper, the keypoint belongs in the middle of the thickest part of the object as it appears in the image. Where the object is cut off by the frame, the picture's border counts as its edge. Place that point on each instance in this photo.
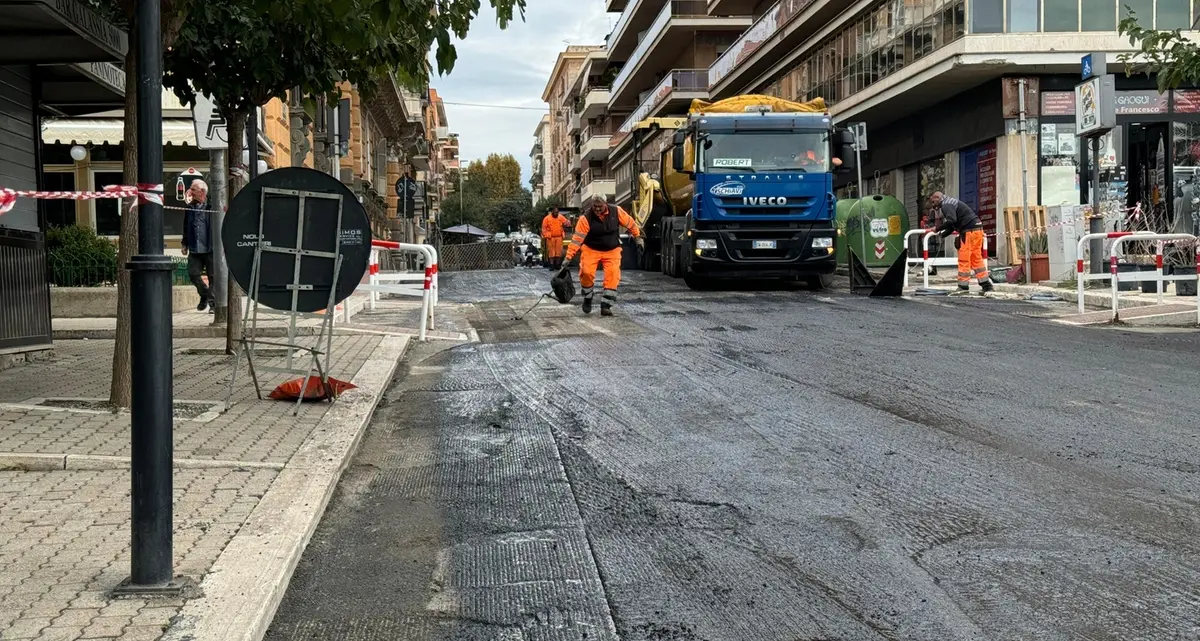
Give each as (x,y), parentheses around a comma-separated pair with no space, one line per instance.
(767,253)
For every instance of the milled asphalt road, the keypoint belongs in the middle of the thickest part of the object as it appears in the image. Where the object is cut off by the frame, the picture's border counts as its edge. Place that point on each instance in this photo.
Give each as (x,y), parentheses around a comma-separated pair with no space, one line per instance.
(768,465)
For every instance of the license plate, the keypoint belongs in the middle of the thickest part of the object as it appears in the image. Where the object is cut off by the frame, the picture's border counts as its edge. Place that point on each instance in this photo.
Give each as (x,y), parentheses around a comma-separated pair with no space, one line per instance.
(764,244)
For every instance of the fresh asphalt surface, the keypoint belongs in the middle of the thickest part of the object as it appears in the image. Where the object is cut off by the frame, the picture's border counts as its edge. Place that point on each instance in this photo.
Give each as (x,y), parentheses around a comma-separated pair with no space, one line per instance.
(768,465)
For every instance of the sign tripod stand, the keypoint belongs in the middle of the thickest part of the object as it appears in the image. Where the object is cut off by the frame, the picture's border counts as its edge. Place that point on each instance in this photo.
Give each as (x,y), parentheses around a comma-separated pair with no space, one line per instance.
(249,339)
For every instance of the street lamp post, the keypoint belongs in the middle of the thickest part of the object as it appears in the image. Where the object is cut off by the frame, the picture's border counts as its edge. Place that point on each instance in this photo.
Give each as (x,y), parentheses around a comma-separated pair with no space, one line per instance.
(150,300)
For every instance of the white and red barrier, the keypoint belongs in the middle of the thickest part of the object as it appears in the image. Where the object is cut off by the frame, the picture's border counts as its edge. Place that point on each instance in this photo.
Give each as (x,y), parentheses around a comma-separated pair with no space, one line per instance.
(926,261)
(422,284)
(1157,275)
(1080,275)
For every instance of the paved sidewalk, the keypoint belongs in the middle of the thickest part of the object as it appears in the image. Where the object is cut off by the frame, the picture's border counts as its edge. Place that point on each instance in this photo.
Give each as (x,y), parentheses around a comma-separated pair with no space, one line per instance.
(64,485)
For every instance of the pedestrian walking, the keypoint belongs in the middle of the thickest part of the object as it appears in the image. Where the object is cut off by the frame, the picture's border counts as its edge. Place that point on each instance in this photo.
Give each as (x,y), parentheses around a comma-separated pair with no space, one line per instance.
(958,217)
(197,242)
(554,230)
(598,237)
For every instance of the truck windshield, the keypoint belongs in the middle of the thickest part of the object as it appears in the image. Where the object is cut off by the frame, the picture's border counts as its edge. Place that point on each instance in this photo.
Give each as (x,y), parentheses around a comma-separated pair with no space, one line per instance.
(806,151)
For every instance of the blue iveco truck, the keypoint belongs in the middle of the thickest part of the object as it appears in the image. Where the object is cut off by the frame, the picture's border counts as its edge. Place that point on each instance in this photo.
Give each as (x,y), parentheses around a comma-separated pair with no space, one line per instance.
(746,191)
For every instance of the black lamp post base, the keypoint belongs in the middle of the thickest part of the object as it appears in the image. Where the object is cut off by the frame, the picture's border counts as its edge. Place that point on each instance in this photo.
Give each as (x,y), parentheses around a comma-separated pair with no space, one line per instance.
(180,587)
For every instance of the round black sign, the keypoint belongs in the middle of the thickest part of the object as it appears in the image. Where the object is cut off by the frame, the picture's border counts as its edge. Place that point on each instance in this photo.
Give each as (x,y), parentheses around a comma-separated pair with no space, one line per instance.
(277,196)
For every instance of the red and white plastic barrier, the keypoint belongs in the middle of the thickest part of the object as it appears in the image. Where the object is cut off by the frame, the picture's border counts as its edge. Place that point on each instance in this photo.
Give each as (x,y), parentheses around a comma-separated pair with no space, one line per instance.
(926,261)
(1157,275)
(142,192)
(1080,275)
(422,284)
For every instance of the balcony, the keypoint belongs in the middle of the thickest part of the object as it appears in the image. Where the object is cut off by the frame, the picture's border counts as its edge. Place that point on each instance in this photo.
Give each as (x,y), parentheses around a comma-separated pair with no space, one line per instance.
(573,123)
(732,7)
(673,31)
(598,182)
(778,32)
(615,6)
(673,95)
(594,103)
(576,164)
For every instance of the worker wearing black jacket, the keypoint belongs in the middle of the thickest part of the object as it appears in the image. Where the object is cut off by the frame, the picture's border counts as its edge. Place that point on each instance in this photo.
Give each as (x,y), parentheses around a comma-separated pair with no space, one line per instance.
(958,217)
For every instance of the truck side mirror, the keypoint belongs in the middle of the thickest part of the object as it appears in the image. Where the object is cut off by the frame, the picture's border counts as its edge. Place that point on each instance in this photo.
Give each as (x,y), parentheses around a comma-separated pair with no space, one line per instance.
(844,146)
(677,142)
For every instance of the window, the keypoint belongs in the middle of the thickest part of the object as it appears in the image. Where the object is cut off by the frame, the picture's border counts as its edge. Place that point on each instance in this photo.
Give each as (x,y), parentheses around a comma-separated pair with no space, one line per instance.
(1023,15)
(987,16)
(108,219)
(1061,15)
(59,213)
(802,151)
(1172,14)
(1099,15)
(1142,9)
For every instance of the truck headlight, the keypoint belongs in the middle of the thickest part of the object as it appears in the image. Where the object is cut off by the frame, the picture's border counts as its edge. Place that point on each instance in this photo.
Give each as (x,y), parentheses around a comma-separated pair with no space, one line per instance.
(824,242)
(706,243)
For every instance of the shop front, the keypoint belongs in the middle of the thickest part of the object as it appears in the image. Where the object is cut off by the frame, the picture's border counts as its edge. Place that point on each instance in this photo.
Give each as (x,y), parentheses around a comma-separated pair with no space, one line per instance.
(56,61)
(1149,164)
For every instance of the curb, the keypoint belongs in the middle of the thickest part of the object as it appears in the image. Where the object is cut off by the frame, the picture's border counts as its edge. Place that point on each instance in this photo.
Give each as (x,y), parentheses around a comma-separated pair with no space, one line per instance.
(248,581)
(13,461)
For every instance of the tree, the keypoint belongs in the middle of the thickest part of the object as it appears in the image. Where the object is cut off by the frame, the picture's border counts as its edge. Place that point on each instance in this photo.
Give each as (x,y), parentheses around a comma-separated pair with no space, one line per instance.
(242,54)
(501,175)
(1169,55)
(490,196)
(121,13)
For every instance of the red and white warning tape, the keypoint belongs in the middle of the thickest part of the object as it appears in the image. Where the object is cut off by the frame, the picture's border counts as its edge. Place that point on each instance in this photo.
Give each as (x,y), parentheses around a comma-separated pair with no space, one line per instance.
(143,192)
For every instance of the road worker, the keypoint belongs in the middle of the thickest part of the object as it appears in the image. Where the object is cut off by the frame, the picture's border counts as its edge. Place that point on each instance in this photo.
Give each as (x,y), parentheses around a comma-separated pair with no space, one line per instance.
(554,229)
(598,238)
(958,217)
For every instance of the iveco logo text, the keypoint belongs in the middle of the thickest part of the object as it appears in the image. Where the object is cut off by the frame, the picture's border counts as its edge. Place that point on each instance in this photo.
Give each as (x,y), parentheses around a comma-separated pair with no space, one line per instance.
(775,201)
(728,189)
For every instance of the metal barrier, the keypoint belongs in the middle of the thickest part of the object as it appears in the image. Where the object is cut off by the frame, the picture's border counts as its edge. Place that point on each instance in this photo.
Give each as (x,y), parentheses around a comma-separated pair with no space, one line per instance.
(477,256)
(913,257)
(1080,275)
(947,261)
(1157,274)
(420,284)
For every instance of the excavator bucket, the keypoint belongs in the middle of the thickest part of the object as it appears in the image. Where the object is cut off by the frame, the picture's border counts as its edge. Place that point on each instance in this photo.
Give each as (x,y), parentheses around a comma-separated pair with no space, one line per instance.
(892,284)
(861,281)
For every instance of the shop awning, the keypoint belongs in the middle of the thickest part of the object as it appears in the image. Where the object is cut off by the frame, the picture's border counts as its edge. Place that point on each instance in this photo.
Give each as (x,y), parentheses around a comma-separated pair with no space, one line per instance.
(82,89)
(57,32)
(111,131)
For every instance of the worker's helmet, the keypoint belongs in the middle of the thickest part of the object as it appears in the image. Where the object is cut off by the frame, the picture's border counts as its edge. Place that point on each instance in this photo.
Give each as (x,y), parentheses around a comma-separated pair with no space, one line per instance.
(563,287)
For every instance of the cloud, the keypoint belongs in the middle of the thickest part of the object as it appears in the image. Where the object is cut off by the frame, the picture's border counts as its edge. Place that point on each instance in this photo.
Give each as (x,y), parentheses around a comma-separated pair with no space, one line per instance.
(494,94)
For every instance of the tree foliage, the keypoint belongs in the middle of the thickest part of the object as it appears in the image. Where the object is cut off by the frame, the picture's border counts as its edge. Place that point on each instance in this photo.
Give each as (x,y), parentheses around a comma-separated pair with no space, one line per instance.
(1169,55)
(491,196)
(243,53)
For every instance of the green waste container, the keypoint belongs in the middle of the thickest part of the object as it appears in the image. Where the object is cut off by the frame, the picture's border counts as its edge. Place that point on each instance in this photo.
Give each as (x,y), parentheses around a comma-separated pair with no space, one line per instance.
(875,229)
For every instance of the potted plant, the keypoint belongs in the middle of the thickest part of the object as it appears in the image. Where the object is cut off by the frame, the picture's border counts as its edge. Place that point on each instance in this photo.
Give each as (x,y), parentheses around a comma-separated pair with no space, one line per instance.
(1179,260)
(1039,256)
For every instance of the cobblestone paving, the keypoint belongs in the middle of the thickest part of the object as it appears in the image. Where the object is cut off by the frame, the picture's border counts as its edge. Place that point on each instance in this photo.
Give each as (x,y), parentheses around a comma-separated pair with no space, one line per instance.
(253,431)
(64,544)
(64,535)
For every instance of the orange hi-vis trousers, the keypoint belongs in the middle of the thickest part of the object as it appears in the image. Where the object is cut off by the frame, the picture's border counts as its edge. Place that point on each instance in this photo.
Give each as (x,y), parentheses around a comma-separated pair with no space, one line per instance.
(971,262)
(610,261)
(554,246)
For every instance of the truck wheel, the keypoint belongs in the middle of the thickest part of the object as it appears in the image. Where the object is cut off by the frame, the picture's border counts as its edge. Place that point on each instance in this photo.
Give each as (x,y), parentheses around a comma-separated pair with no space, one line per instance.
(696,281)
(676,261)
(824,281)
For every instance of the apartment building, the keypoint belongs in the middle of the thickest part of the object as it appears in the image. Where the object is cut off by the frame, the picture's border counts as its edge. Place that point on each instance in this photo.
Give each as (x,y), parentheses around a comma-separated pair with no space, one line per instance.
(560,149)
(590,126)
(937,82)
(537,160)
(663,50)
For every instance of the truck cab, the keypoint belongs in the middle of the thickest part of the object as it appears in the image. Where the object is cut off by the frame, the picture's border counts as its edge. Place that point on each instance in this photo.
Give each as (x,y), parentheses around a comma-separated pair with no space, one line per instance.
(760,196)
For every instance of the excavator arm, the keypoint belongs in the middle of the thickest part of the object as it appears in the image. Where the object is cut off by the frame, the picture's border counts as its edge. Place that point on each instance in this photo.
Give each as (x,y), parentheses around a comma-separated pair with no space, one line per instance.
(649,191)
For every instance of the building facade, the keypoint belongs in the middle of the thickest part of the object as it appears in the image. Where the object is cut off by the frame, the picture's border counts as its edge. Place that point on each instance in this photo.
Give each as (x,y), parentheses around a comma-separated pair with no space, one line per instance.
(937,83)
(662,50)
(537,161)
(563,161)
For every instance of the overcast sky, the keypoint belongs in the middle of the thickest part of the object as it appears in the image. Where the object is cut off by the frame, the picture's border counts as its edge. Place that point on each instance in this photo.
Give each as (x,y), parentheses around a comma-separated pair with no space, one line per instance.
(509,68)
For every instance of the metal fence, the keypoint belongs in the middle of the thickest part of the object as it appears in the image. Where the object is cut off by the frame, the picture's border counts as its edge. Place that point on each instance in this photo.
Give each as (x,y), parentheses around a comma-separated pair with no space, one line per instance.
(95,270)
(475,256)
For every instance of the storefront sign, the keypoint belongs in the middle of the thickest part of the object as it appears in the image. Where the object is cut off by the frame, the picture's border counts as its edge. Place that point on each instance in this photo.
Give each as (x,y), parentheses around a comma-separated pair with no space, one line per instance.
(87,23)
(1187,101)
(1058,103)
(987,186)
(1095,100)
(1147,101)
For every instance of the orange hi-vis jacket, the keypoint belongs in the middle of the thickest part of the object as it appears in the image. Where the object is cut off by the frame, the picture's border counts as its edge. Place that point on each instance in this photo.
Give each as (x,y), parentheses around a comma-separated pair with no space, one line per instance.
(553,227)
